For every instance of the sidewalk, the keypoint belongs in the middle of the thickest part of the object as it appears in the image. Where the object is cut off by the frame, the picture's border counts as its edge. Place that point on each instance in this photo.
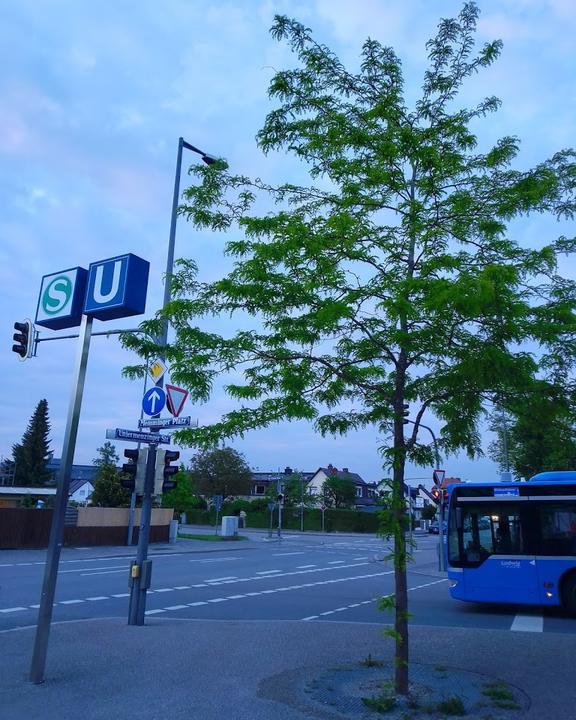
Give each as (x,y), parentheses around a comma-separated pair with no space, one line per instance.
(213,670)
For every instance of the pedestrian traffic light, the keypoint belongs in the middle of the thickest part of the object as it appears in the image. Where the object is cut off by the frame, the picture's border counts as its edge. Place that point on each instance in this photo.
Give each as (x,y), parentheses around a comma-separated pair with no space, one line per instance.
(134,471)
(164,470)
(23,338)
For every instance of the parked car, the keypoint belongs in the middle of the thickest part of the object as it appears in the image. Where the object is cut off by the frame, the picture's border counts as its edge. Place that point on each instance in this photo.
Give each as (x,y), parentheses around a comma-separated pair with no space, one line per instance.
(434,527)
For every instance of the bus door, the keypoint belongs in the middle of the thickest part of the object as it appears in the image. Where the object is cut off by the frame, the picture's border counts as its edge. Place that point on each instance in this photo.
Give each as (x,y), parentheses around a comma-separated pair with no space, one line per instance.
(494,550)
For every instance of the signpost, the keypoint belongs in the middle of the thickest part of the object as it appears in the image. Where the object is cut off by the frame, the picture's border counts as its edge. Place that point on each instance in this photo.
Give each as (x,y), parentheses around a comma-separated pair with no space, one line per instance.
(160,423)
(137,436)
(154,401)
(176,397)
(217,504)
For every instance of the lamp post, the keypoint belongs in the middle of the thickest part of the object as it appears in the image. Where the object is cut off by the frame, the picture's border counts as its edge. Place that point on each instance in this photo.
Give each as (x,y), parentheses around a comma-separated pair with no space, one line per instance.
(209,160)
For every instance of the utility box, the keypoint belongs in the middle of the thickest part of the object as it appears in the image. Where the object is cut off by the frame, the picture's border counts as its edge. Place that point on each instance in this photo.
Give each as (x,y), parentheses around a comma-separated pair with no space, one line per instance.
(229,526)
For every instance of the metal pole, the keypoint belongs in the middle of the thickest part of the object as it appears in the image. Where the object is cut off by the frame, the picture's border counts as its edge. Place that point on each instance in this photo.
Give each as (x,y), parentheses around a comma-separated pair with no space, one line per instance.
(280,520)
(301,503)
(137,605)
(130,537)
(410,512)
(57,530)
(441,555)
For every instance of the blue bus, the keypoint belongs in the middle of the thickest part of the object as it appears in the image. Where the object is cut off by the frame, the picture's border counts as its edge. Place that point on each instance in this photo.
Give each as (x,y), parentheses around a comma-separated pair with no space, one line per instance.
(514,542)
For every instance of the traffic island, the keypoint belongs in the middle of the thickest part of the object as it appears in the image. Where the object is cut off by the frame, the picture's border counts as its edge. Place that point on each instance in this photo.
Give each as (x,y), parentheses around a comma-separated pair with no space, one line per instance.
(365,690)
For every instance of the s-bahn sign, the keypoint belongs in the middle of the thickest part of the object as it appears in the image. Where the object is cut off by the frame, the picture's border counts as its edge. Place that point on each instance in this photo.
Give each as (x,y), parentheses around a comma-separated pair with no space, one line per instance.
(109,289)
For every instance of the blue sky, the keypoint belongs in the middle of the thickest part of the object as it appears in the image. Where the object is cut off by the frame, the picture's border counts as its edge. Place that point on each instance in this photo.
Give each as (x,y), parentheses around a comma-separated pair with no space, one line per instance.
(93,98)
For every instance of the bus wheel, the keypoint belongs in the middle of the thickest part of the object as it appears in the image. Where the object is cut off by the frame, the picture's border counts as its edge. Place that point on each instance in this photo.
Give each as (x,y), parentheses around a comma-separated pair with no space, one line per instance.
(569,594)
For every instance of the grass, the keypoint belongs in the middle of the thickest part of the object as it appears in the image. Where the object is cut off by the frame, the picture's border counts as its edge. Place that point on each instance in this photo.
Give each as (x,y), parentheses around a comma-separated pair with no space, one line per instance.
(371,662)
(211,538)
(500,695)
(381,703)
(451,706)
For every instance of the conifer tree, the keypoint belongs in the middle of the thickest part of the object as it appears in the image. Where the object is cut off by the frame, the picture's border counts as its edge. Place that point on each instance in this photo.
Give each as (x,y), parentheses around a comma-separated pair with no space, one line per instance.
(31,455)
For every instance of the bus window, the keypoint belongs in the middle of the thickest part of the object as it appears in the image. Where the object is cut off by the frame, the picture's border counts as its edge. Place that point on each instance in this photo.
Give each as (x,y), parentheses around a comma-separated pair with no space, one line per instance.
(484,530)
(558,523)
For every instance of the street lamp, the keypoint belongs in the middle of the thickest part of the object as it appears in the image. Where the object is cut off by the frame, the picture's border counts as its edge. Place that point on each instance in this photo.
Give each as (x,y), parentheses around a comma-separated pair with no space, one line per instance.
(209,160)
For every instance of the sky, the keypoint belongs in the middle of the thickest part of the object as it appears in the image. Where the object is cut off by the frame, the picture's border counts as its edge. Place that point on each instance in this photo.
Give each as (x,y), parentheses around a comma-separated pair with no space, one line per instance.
(93,99)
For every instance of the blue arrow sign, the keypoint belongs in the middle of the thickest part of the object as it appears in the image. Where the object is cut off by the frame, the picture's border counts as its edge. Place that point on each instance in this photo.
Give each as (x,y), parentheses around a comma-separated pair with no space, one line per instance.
(153,401)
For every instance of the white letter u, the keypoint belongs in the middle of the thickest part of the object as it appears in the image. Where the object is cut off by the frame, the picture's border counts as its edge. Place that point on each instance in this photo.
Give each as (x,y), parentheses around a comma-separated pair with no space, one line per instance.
(99,297)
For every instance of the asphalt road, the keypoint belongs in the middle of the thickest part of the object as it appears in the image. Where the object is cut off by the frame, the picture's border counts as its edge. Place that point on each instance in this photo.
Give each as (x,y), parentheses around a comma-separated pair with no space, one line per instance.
(305,578)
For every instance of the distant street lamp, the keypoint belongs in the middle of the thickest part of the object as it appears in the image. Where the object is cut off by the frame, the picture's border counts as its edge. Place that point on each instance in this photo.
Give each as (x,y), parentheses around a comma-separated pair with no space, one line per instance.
(209,160)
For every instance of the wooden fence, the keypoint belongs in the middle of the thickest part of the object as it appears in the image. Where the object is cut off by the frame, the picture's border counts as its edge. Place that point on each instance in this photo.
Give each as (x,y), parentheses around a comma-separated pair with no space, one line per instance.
(30,528)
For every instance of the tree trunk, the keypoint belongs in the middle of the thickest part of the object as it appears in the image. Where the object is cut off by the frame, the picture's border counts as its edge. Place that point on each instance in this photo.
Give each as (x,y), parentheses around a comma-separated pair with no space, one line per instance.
(400,583)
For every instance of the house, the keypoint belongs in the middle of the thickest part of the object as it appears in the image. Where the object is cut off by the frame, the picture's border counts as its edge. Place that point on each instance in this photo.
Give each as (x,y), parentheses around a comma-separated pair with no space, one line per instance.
(77,472)
(261,481)
(80,491)
(12,495)
(366,493)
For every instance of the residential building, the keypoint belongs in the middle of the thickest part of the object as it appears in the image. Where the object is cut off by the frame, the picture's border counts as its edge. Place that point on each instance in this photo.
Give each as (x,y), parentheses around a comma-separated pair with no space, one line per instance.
(366,493)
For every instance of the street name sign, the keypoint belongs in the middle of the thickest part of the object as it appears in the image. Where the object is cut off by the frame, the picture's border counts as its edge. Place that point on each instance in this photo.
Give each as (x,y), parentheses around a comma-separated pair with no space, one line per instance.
(154,401)
(175,399)
(136,436)
(166,422)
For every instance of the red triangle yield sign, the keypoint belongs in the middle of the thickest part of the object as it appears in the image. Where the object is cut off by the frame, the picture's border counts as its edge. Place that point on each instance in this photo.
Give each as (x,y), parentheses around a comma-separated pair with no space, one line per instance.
(175,399)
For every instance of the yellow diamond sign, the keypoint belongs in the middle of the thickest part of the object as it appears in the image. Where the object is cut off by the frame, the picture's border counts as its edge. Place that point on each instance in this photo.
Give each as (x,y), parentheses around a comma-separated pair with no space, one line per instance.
(156,370)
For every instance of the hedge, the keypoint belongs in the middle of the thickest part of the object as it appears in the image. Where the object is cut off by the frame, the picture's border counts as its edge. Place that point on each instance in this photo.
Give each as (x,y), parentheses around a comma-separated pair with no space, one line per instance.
(334,520)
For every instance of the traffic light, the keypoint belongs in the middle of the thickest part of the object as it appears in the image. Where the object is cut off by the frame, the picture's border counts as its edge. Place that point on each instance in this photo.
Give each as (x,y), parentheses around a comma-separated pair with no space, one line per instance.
(280,498)
(436,493)
(164,470)
(23,338)
(134,470)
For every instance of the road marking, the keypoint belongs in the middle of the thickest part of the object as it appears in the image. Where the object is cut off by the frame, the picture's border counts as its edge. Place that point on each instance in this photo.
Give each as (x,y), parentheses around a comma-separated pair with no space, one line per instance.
(216,600)
(108,572)
(93,570)
(120,595)
(176,607)
(528,623)
(286,554)
(212,560)
(98,597)
(182,587)
(69,602)
(163,590)
(267,572)
(215,580)
(154,612)
(303,567)
(197,604)
(14,609)
(235,597)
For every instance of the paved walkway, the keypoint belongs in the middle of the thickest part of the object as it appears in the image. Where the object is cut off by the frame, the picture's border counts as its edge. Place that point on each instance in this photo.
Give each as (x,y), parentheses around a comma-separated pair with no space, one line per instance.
(209,670)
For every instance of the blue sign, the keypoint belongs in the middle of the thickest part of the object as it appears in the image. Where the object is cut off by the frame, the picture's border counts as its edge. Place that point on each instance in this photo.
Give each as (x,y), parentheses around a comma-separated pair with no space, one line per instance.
(117,287)
(153,401)
(62,298)
(136,436)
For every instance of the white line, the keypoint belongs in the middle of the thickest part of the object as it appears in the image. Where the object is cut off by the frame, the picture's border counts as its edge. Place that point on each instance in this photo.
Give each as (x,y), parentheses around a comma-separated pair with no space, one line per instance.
(153,612)
(80,570)
(303,567)
(235,597)
(98,597)
(286,554)
(120,595)
(528,623)
(182,587)
(163,590)
(69,602)
(14,609)
(196,604)
(215,600)
(311,617)
(229,577)
(108,572)
(268,572)
(176,607)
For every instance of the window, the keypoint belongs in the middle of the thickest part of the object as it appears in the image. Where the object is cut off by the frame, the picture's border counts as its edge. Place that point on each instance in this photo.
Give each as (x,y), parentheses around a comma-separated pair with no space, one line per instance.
(259,489)
(558,523)
(482,530)
(358,490)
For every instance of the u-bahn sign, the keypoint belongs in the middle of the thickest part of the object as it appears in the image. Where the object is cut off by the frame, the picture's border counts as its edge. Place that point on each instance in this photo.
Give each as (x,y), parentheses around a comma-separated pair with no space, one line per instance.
(109,289)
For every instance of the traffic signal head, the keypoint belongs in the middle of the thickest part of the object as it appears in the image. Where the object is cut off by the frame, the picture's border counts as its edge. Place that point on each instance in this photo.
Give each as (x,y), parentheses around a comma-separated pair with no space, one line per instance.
(23,338)
(435,492)
(129,469)
(280,498)
(164,470)
(134,470)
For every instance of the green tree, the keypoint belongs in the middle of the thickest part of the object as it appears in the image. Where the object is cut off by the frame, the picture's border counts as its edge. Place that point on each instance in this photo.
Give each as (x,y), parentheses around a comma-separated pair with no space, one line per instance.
(338,492)
(108,490)
(296,490)
(535,434)
(31,455)
(221,471)
(429,512)
(391,281)
(182,497)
